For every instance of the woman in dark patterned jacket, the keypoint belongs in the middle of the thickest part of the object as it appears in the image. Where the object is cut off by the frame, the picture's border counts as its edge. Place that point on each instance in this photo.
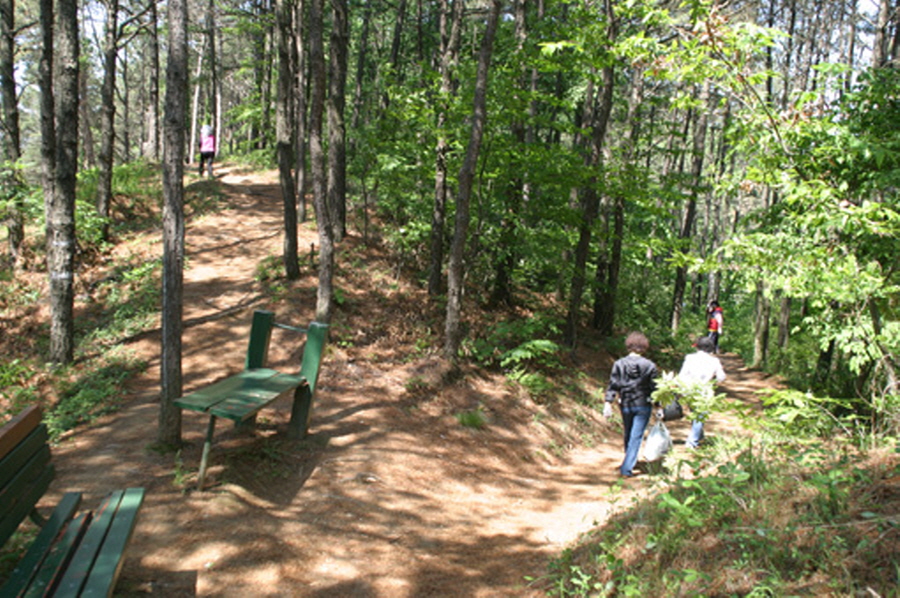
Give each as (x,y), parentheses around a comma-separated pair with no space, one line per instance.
(633,380)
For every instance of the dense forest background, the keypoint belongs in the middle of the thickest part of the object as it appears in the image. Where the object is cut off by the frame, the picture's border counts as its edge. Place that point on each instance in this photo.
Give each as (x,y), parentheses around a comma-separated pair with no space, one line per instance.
(544,169)
(622,162)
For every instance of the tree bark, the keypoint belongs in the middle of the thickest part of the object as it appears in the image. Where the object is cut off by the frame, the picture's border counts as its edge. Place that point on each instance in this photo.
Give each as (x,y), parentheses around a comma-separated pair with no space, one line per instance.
(151,118)
(108,114)
(318,85)
(337,148)
(589,204)
(284,143)
(61,215)
(882,34)
(690,209)
(169,431)
(450,20)
(761,327)
(301,110)
(10,123)
(608,277)
(456,281)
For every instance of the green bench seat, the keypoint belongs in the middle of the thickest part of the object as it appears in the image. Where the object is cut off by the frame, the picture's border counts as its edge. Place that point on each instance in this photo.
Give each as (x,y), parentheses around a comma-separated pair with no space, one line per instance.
(75,553)
(241,396)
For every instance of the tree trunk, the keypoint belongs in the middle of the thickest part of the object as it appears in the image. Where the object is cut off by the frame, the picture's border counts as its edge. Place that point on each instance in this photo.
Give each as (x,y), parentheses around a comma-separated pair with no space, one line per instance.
(151,118)
(325,295)
(761,327)
(169,431)
(48,109)
(195,105)
(690,210)
(89,156)
(784,323)
(449,55)
(882,34)
(10,139)
(337,149)
(61,215)
(108,114)
(608,278)
(284,143)
(456,281)
(507,249)
(598,122)
(301,109)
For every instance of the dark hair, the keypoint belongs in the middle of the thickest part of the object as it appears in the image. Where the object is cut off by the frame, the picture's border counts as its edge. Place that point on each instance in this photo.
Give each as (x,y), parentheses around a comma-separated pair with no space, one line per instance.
(637,342)
(704,343)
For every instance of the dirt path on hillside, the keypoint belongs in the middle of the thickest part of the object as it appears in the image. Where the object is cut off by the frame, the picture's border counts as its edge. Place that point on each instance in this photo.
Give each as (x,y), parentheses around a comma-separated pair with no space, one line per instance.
(389,496)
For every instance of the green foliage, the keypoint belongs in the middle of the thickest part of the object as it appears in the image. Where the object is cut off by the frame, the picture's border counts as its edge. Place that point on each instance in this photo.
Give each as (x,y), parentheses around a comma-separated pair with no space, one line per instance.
(803,415)
(514,343)
(475,419)
(15,391)
(800,513)
(96,392)
(699,397)
(131,300)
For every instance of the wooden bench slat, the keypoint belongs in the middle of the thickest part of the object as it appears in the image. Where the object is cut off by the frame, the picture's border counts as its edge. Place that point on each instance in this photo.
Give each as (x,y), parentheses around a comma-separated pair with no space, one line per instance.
(15,460)
(78,569)
(18,428)
(24,491)
(47,576)
(37,552)
(108,564)
(237,385)
(245,404)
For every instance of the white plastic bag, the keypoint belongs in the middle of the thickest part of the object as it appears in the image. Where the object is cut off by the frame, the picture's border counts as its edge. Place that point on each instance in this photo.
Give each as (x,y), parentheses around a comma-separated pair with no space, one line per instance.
(658,443)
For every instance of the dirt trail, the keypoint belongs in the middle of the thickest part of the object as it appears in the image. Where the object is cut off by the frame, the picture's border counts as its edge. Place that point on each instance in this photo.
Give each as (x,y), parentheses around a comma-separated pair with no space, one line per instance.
(388,497)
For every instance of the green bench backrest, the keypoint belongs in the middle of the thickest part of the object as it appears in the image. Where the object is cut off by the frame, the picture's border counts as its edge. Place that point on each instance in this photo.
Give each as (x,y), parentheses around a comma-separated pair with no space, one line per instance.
(25,468)
(260,335)
(316,335)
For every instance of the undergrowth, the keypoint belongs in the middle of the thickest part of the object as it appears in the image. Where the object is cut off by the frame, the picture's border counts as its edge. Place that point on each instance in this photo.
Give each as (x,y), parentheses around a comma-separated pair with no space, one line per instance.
(769,518)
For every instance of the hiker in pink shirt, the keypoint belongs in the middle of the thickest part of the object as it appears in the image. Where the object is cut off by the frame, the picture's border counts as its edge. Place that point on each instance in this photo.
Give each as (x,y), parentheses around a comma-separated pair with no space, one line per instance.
(207,149)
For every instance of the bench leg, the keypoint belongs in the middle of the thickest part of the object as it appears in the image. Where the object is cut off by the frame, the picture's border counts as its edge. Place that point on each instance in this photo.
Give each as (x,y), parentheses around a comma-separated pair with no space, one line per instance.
(205,456)
(300,413)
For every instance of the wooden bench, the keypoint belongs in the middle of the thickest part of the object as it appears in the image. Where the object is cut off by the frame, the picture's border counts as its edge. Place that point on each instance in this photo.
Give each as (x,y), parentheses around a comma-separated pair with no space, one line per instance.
(241,396)
(74,554)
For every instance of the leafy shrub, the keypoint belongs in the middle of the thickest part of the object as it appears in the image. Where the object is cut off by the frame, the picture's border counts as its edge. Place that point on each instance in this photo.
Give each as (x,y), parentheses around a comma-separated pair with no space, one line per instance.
(95,393)
(474,418)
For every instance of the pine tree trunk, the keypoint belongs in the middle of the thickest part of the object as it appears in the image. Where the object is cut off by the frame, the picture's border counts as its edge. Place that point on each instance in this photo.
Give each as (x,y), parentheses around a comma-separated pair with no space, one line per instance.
(284,128)
(151,118)
(169,431)
(456,280)
(107,114)
(337,148)
(300,116)
(10,149)
(318,85)
(61,215)
(449,55)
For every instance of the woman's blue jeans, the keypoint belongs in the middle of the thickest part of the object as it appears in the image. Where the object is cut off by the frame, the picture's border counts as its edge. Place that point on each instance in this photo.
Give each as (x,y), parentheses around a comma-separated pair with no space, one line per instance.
(634,420)
(696,435)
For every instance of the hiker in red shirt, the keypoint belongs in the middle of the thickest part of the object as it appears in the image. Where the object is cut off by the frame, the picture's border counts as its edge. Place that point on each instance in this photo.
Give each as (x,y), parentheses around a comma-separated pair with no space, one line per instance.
(714,322)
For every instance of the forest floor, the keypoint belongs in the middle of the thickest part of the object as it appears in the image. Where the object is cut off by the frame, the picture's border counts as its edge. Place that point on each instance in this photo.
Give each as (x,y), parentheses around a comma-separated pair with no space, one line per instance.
(389,496)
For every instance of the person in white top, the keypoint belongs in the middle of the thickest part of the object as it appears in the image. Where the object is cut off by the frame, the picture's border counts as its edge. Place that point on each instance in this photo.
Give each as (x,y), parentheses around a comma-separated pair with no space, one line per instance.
(701,366)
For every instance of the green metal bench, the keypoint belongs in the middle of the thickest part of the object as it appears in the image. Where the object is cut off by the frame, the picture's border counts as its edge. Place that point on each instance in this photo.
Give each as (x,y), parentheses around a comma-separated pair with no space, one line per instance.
(74,554)
(241,396)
